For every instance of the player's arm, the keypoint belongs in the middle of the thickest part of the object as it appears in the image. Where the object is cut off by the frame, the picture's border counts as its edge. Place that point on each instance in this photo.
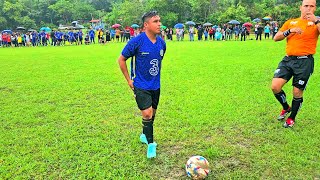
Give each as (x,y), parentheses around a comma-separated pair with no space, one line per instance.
(279,36)
(317,21)
(313,18)
(124,70)
(287,34)
(318,26)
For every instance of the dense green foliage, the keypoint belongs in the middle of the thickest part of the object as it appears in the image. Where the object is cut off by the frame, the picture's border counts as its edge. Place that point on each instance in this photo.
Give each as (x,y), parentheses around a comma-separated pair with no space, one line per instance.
(67,113)
(36,13)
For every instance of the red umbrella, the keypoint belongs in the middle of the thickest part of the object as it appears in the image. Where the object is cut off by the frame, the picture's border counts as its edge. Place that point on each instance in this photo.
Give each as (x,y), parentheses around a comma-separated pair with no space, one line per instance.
(116,25)
(247,24)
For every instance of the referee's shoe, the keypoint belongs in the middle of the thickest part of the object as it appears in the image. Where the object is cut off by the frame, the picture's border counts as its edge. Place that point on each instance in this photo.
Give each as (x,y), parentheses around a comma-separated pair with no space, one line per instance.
(289,123)
(284,113)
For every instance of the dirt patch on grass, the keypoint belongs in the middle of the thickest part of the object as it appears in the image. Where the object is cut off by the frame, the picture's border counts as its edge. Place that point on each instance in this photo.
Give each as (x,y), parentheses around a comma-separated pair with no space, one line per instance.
(6,89)
(230,163)
(175,173)
(173,149)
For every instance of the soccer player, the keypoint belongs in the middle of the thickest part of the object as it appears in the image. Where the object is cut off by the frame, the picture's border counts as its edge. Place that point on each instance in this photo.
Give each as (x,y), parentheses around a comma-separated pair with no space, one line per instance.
(302,37)
(148,50)
(43,38)
(92,35)
(72,39)
(80,36)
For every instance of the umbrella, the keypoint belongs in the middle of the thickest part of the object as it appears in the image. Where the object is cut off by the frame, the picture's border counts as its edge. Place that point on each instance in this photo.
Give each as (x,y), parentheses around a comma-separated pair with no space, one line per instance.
(63,27)
(234,22)
(256,20)
(163,27)
(20,28)
(215,26)
(94,21)
(31,30)
(79,27)
(247,24)
(7,31)
(135,26)
(116,25)
(179,26)
(273,22)
(207,24)
(190,23)
(267,18)
(46,29)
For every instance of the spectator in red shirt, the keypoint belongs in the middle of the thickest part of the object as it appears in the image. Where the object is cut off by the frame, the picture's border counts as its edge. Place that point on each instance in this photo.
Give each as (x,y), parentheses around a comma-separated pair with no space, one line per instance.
(211,33)
(131,32)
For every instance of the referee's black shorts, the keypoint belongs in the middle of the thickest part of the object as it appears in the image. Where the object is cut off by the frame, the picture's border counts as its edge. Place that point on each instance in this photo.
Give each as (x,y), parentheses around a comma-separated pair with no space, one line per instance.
(147,98)
(298,67)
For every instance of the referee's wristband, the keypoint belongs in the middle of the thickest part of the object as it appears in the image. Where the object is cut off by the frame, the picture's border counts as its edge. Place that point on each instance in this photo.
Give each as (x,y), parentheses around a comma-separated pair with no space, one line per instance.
(286,33)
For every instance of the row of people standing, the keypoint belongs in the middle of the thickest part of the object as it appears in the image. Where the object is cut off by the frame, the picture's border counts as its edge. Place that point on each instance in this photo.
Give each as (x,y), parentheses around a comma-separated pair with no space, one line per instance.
(223,32)
(211,33)
(267,30)
(117,35)
(17,39)
(59,37)
(55,38)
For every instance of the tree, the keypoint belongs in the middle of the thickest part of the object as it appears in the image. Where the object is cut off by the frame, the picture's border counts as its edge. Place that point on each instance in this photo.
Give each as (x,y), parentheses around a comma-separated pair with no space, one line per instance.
(35,13)
(127,12)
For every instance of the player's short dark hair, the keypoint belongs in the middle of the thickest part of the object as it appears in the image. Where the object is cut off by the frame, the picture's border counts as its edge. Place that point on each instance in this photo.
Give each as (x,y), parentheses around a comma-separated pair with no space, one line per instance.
(148,15)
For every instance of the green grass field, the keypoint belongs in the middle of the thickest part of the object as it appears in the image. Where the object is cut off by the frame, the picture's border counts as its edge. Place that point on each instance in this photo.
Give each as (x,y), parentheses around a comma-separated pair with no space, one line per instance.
(67,113)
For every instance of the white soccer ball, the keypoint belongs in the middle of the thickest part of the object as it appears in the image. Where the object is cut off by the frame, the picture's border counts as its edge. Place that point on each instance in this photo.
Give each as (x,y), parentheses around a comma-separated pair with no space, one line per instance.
(197,167)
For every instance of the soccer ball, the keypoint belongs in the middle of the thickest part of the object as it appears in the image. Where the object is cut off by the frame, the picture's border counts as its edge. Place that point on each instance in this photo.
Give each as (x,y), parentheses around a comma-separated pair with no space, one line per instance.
(197,167)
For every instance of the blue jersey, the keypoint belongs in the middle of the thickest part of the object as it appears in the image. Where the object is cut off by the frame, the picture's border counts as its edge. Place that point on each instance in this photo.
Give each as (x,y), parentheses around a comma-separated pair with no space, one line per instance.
(59,35)
(91,33)
(146,64)
(42,34)
(34,36)
(112,33)
(71,36)
(76,34)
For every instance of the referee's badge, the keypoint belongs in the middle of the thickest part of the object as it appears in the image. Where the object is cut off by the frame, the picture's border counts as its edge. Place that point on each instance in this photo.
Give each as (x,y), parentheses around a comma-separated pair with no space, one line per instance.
(293,22)
(310,23)
(161,52)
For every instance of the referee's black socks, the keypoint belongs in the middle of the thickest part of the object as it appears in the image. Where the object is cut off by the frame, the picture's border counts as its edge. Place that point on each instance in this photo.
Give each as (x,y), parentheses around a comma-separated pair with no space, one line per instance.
(296,105)
(148,129)
(282,98)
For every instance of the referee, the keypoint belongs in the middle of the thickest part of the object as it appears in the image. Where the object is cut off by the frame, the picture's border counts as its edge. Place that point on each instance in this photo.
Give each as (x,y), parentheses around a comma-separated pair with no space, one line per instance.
(302,37)
(147,50)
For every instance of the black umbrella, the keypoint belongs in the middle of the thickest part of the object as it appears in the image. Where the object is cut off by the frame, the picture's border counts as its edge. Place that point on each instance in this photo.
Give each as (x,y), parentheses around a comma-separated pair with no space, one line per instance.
(31,30)
(21,28)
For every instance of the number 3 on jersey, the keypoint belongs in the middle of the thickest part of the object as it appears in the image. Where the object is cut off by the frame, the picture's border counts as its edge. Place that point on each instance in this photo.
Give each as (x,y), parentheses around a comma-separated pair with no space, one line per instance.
(155,68)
